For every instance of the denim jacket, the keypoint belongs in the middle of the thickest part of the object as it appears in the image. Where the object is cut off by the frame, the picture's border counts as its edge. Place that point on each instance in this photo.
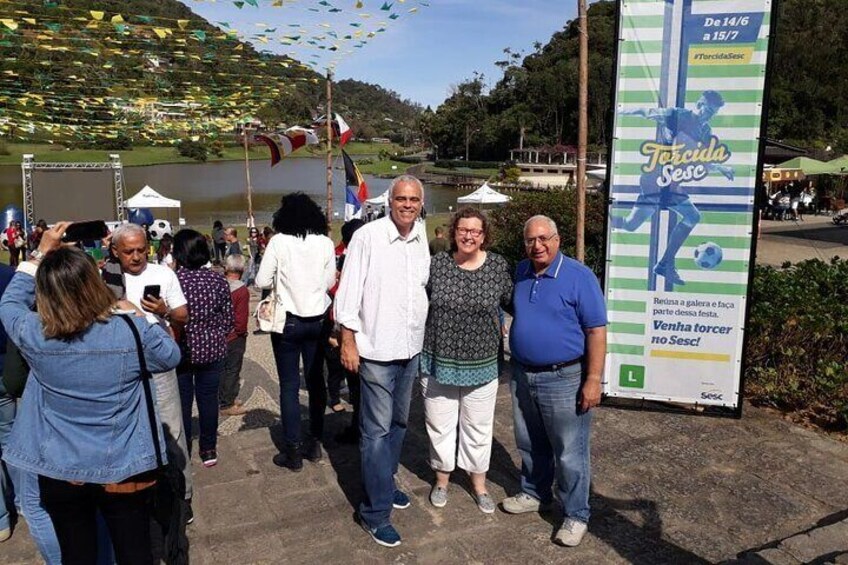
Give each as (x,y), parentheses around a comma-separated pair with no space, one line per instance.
(83,416)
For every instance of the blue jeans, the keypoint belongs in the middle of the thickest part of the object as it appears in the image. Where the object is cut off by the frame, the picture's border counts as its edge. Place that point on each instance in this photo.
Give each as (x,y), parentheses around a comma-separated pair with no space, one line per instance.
(552,436)
(386,389)
(40,526)
(301,339)
(201,380)
(8,407)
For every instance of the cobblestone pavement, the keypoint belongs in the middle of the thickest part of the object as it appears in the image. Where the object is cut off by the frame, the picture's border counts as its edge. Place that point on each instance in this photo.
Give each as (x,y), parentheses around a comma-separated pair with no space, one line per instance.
(668,488)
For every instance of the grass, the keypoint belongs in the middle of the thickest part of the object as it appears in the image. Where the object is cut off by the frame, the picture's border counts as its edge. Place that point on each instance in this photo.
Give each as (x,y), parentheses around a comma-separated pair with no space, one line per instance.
(147,155)
(383,168)
(485,174)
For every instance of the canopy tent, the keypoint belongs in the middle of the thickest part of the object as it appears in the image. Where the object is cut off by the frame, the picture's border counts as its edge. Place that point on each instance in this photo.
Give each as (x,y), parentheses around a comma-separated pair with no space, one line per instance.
(599,174)
(382,200)
(484,195)
(149,198)
(807,165)
(838,166)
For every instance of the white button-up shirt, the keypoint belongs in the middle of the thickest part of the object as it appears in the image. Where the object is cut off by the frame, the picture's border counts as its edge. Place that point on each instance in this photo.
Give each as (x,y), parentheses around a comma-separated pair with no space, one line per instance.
(382,295)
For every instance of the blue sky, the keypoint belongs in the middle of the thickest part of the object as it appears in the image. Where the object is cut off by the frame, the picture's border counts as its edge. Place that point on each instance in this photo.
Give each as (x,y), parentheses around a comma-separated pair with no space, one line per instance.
(419,55)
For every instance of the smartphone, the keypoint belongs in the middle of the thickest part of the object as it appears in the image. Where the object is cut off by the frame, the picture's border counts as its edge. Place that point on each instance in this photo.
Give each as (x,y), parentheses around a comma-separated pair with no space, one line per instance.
(82,231)
(151,290)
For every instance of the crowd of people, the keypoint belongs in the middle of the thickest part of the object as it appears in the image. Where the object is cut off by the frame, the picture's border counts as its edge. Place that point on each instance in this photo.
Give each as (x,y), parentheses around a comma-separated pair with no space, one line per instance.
(96,414)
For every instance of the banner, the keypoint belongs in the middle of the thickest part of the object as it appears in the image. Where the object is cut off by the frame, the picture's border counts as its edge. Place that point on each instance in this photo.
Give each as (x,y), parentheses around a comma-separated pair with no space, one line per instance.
(689,107)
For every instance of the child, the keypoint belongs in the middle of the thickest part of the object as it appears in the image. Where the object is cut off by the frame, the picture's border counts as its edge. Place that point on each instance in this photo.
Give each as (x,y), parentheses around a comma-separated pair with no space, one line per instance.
(228,389)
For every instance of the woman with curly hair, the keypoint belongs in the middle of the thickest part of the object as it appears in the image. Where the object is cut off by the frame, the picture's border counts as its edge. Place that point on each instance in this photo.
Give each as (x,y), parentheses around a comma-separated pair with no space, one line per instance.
(299,265)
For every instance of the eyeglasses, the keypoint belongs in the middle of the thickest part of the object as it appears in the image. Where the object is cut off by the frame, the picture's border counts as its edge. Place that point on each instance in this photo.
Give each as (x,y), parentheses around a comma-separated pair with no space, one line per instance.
(543,239)
(469,231)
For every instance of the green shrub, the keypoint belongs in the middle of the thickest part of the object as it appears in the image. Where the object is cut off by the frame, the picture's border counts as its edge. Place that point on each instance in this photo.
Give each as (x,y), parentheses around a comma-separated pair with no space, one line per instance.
(454,163)
(797,357)
(193,150)
(561,207)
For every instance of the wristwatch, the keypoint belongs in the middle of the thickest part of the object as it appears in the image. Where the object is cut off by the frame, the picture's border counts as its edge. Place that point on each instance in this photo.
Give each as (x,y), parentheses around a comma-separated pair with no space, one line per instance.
(37,255)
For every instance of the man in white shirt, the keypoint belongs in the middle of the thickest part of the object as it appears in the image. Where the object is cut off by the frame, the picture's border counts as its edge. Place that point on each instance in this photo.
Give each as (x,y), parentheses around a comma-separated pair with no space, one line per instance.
(381,306)
(130,248)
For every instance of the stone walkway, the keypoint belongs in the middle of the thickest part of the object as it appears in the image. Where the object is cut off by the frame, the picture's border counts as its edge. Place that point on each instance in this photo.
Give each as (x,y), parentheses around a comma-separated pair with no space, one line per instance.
(668,488)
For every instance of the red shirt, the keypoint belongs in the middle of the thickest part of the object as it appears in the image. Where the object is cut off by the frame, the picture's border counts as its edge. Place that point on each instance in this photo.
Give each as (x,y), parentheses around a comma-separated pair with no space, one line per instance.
(241,310)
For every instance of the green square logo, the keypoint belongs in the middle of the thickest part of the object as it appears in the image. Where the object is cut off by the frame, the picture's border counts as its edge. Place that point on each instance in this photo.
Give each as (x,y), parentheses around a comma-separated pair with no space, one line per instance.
(631,376)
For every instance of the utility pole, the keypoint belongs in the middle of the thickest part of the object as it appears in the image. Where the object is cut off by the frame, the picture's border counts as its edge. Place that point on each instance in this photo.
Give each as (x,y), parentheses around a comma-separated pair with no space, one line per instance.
(582,129)
(467,139)
(329,147)
(244,133)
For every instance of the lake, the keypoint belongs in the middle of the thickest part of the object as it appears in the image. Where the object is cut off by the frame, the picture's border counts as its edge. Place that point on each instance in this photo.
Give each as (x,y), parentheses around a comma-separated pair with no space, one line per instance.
(216,191)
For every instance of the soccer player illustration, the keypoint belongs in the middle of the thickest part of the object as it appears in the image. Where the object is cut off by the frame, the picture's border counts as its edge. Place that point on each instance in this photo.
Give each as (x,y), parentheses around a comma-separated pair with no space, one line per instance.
(685,151)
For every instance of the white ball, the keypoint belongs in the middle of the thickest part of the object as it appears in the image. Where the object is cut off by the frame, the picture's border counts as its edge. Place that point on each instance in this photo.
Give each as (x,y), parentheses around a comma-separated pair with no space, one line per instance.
(159,228)
(708,255)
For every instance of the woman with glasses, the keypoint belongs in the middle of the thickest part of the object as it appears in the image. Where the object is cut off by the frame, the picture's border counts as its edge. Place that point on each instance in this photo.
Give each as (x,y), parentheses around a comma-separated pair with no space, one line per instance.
(459,364)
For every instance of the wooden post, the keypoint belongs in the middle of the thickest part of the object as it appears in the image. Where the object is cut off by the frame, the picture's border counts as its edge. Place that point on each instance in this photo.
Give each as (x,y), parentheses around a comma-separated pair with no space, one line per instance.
(250,220)
(329,148)
(582,133)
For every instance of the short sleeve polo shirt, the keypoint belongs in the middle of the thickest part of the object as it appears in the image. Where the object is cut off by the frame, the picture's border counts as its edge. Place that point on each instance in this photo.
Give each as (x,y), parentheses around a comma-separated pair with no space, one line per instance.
(552,310)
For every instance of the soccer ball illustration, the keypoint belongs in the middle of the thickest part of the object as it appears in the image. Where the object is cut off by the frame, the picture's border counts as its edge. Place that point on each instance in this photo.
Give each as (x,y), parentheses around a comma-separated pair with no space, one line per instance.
(708,255)
(159,228)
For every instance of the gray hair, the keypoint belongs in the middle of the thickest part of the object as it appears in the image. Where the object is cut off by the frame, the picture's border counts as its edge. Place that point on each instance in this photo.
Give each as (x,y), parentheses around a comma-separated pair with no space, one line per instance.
(234,264)
(127,230)
(541,218)
(405,179)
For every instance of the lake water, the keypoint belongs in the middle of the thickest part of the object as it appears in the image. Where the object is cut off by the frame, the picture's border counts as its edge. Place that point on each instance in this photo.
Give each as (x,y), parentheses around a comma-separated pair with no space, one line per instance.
(216,191)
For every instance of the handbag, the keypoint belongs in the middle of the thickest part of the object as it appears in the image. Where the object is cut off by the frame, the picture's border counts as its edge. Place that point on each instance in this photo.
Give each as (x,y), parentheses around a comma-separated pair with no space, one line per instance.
(169,509)
(266,310)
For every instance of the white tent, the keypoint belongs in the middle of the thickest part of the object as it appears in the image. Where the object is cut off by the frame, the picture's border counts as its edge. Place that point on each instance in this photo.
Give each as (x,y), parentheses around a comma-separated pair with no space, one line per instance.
(149,198)
(600,174)
(382,200)
(484,195)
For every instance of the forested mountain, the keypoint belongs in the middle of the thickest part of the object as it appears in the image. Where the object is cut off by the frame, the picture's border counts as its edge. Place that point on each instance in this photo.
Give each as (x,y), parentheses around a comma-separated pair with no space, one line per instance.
(81,69)
(537,94)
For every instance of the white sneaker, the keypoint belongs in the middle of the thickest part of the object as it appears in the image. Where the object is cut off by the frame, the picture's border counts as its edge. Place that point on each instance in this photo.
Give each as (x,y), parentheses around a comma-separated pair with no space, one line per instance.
(5,534)
(571,533)
(523,502)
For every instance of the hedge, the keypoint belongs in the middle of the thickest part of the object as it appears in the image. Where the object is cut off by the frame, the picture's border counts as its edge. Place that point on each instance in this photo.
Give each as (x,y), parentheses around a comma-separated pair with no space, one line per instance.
(458,164)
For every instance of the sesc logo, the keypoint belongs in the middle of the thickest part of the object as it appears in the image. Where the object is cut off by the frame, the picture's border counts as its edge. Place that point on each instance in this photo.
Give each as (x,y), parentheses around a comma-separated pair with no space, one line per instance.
(712,395)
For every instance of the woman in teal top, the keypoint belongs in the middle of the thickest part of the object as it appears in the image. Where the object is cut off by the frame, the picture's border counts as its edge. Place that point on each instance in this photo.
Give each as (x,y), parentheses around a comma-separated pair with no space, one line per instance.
(459,364)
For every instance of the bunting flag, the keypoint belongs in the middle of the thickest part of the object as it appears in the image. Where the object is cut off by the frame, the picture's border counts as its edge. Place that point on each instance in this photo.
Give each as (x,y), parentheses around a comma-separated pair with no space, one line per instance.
(284,143)
(341,130)
(353,181)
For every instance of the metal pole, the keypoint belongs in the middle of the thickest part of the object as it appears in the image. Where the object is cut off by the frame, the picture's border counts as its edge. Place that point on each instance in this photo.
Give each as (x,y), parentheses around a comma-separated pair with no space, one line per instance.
(250,221)
(582,130)
(329,147)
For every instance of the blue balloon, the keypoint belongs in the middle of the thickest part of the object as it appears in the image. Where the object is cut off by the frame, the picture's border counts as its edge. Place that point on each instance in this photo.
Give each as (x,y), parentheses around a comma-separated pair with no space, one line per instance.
(141,216)
(12,214)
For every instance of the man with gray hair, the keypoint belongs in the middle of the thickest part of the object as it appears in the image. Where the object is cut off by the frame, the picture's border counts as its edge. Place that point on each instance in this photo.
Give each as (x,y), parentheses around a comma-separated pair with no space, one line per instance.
(381,306)
(129,249)
(558,345)
(228,388)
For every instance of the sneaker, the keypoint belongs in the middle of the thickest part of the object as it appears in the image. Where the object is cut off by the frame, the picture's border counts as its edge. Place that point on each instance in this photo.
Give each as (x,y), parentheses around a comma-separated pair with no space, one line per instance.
(523,502)
(209,458)
(234,410)
(400,500)
(291,458)
(571,533)
(5,534)
(189,512)
(312,450)
(485,503)
(669,273)
(439,497)
(387,535)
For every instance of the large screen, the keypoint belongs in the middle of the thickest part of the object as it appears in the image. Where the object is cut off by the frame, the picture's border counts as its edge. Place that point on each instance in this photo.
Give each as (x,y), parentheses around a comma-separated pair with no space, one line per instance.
(73,195)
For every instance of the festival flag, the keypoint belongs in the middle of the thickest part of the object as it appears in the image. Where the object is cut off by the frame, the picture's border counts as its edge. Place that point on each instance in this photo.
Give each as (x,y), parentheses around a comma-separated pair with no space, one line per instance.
(353,180)
(284,143)
(340,128)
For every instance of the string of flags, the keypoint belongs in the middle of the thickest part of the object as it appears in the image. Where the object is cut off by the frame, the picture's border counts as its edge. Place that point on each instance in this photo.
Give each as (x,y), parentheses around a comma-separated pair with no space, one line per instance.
(70,73)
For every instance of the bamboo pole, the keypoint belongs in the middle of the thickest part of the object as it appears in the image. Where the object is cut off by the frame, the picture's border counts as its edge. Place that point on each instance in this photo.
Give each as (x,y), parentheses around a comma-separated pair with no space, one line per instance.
(250,220)
(582,130)
(329,147)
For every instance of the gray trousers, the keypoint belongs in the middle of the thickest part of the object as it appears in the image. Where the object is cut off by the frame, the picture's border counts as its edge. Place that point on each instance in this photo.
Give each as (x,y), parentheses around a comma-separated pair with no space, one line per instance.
(171,415)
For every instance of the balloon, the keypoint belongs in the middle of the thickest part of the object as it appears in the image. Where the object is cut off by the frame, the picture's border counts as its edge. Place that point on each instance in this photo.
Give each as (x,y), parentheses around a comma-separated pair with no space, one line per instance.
(141,216)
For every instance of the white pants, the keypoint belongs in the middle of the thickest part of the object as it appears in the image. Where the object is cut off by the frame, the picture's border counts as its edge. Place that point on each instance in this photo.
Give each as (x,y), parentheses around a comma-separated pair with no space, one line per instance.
(469,409)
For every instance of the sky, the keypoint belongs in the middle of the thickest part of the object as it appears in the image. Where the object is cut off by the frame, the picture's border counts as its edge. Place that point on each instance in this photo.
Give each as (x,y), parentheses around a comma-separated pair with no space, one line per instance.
(420,55)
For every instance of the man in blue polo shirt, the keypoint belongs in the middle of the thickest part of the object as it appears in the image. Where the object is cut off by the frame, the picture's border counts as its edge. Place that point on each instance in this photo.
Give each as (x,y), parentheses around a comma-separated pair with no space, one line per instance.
(558,342)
